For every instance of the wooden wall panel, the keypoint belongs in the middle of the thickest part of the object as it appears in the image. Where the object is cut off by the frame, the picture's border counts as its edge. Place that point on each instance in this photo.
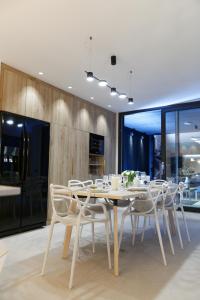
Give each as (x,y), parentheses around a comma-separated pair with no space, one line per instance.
(38,100)
(71,119)
(62,109)
(82,117)
(14,92)
(80,155)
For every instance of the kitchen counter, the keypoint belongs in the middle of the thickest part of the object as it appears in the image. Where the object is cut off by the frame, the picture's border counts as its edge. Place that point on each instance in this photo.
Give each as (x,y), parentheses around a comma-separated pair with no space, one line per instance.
(9,190)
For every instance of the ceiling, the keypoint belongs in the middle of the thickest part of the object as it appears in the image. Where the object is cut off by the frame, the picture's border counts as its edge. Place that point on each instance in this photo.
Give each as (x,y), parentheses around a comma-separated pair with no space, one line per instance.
(149,122)
(159,40)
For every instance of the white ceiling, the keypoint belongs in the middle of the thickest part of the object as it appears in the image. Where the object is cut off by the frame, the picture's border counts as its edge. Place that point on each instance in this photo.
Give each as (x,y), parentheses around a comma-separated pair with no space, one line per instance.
(158,39)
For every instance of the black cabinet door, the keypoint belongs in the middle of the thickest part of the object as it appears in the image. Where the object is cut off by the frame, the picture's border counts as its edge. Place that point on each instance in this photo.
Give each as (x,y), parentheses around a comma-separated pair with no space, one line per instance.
(12,144)
(10,210)
(12,149)
(35,185)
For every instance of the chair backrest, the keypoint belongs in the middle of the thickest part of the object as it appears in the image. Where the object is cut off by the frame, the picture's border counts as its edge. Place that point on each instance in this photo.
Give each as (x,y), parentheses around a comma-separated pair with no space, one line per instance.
(157,182)
(74,183)
(87,183)
(62,201)
(147,201)
(99,181)
(170,194)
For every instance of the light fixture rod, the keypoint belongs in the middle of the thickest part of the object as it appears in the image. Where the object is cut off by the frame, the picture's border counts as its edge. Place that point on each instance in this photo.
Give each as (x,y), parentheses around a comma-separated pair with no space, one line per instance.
(109,86)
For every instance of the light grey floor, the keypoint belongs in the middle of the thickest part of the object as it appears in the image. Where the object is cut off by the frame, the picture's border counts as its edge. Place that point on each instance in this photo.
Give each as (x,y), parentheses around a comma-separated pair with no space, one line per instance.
(142,276)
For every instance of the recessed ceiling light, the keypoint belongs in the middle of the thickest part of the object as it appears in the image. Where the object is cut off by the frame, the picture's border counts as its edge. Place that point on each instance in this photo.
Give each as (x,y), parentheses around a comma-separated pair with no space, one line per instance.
(69,87)
(20,125)
(187,123)
(109,105)
(10,122)
(40,73)
(92,98)
(122,96)
(103,83)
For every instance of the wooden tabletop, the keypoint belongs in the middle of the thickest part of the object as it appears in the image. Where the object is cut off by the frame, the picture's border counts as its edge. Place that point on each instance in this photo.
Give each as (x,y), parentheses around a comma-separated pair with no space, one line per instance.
(113,195)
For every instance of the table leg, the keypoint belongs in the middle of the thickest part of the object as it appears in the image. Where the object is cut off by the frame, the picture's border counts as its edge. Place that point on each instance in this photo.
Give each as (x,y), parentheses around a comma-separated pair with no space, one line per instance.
(116,246)
(68,233)
(67,239)
(171,221)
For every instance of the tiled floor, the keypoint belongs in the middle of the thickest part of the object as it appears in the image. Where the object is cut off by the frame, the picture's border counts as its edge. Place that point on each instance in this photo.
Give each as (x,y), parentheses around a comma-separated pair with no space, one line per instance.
(142,276)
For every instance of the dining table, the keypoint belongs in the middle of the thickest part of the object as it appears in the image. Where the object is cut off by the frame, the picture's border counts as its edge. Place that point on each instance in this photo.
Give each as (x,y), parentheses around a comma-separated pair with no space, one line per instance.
(115,197)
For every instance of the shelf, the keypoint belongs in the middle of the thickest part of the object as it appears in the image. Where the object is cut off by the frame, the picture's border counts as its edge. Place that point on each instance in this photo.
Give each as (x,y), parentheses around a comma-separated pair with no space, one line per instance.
(97,165)
(99,155)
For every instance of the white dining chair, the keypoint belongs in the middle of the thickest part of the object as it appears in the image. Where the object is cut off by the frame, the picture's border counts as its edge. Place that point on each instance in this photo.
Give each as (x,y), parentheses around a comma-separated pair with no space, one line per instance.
(81,216)
(179,204)
(96,210)
(147,205)
(173,196)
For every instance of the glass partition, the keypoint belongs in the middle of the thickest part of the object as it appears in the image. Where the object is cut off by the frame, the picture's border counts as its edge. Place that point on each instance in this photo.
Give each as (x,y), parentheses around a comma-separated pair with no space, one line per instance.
(189,152)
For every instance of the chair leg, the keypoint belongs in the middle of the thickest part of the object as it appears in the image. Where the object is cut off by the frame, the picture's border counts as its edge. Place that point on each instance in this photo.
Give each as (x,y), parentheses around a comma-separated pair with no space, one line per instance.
(131,216)
(48,247)
(75,250)
(164,222)
(185,222)
(178,228)
(81,230)
(160,239)
(134,229)
(144,228)
(138,222)
(93,241)
(168,231)
(108,244)
(121,230)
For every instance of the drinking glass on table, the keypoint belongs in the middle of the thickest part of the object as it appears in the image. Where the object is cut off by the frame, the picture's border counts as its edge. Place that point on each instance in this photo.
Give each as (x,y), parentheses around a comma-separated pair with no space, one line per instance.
(143,176)
(125,180)
(110,178)
(105,180)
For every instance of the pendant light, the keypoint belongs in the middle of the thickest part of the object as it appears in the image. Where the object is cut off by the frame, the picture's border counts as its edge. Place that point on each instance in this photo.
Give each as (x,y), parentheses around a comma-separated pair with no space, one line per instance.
(90,76)
(103,83)
(130,99)
(113,91)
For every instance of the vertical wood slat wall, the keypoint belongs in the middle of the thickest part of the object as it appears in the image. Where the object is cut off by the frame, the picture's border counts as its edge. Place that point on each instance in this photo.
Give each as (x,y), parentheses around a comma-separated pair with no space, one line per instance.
(71,119)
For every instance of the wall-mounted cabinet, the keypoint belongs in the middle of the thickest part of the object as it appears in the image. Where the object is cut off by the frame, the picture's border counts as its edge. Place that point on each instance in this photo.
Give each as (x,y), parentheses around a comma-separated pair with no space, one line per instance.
(96,155)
